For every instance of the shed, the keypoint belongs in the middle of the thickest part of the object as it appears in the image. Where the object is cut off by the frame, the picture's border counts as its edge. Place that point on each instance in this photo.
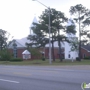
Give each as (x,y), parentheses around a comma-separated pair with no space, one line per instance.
(26,55)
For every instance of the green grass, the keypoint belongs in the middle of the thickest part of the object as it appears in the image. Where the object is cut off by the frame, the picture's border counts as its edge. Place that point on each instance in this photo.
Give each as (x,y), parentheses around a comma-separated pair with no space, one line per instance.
(46,62)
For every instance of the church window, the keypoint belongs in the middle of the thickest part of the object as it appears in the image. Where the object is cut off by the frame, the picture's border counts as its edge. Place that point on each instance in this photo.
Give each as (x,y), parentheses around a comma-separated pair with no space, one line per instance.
(69,55)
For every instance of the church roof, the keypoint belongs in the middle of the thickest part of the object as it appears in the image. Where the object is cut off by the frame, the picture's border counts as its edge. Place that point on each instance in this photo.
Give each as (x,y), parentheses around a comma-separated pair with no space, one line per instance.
(19,45)
(22,43)
(86,47)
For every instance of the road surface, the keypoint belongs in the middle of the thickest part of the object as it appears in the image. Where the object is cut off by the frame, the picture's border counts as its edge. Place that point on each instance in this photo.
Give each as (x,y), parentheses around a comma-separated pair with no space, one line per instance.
(43,77)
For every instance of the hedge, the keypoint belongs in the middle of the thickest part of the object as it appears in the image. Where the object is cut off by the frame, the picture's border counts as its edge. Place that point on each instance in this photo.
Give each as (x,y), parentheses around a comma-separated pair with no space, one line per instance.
(16,59)
(87,57)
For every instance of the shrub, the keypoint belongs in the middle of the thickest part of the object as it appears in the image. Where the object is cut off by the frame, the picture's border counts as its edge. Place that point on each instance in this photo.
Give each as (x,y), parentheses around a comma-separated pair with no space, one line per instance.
(43,59)
(77,59)
(16,59)
(5,55)
(35,52)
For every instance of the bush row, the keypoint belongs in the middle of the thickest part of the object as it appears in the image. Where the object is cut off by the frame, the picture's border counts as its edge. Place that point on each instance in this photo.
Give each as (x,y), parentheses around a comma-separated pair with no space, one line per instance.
(5,55)
(16,59)
(87,57)
(12,59)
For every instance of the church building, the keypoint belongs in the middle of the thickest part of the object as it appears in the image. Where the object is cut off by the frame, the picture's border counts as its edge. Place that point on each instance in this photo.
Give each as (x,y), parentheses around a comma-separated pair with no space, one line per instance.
(18,46)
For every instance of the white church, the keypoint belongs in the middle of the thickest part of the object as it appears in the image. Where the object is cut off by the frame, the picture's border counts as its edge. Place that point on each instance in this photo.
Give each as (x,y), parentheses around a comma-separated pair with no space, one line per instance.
(66,47)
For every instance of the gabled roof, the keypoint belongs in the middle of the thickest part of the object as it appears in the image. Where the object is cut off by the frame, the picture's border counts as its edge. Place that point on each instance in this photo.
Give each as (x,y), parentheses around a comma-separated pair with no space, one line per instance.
(19,45)
(86,47)
(26,52)
(23,41)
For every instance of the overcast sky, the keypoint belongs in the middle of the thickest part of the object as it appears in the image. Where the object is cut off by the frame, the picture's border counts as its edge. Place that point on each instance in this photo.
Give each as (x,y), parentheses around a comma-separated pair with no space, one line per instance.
(16,15)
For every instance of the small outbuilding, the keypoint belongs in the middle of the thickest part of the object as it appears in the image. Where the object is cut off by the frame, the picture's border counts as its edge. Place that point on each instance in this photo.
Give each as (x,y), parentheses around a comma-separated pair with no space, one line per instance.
(26,55)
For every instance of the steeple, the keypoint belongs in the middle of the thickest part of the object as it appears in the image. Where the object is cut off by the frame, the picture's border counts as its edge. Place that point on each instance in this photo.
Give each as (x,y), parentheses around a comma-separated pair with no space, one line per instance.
(34,21)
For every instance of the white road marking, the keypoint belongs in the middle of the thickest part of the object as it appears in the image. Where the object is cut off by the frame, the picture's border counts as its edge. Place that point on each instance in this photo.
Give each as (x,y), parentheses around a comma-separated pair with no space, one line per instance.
(9,81)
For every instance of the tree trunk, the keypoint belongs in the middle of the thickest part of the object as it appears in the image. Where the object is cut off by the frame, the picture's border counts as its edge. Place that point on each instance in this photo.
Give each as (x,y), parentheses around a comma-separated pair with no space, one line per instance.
(59,43)
(53,57)
(60,54)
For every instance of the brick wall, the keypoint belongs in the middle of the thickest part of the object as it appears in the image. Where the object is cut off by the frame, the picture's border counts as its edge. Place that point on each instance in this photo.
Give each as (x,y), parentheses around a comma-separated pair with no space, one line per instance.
(20,50)
(83,51)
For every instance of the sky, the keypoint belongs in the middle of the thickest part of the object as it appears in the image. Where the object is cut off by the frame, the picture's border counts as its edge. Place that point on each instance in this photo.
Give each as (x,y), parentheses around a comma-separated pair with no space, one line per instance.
(16,15)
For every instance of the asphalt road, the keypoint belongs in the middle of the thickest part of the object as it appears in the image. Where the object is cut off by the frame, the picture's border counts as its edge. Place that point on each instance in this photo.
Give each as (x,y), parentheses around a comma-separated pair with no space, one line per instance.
(43,77)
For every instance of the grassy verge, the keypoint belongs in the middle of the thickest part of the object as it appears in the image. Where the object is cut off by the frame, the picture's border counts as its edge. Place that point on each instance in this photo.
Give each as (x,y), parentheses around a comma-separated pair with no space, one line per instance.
(46,62)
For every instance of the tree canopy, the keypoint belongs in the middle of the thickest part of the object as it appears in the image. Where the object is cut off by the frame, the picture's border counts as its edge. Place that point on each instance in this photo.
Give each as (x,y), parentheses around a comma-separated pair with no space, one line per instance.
(3,39)
(41,29)
(81,16)
(58,22)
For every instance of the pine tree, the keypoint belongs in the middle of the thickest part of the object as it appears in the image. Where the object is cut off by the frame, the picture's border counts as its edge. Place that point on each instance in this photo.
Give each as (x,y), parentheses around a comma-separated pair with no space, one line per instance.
(81,16)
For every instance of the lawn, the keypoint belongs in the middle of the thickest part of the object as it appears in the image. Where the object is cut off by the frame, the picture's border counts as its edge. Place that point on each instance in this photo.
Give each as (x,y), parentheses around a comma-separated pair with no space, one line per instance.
(46,62)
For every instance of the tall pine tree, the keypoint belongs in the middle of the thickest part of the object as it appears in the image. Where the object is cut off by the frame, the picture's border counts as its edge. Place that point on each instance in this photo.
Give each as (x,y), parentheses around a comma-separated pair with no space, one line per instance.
(81,16)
